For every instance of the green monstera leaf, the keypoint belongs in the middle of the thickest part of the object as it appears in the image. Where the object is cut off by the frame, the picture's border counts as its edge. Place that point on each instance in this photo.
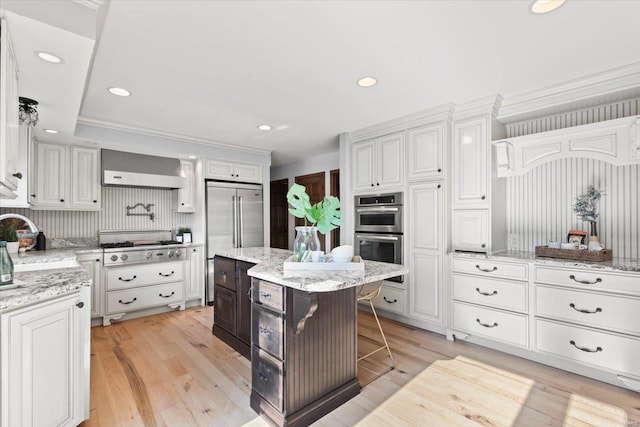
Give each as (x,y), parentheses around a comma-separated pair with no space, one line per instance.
(327,214)
(298,201)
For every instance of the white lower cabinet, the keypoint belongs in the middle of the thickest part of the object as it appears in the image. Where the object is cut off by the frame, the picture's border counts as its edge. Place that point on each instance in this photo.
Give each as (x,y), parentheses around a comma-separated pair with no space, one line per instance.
(45,351)
(390,299)
(510,328)
(93,264)
(195,283)
(425,291)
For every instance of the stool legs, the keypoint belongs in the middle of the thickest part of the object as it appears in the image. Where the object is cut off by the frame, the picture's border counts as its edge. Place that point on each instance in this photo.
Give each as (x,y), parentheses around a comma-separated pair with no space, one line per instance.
(384,338)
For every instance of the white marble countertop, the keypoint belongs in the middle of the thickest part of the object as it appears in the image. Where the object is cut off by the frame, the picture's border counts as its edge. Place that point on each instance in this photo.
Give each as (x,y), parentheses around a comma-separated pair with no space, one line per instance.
(270,268)
(616,264)
(51,255)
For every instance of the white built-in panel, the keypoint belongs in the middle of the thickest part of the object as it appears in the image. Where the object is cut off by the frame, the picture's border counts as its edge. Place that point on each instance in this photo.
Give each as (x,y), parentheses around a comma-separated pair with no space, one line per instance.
(390,159)
(424,292)
(470,230)
(470,152)
(425,157)
(85,184)
(425,216)
(363,164)
(51,172)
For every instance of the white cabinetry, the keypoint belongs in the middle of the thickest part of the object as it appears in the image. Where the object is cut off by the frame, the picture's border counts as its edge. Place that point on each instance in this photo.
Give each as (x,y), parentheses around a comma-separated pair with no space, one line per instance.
(377,164)
(26,182)
(426,246)
(45,362)
(9,156)
(229,171)
(93,264)
(195,284)
(471,163)
(470,231)
(67,177)
(425,156)
(184,198)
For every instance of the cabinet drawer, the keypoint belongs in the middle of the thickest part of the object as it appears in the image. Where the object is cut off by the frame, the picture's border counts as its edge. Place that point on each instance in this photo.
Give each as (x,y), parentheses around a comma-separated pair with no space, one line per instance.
(589,279)
(498,325)
(491,292)
(588,308)
(267,330)
(607,350)
(490,268)
(224,314)
(144,275)
(266,377)
(268,294)
(224,273)
(390,299)
(148,296)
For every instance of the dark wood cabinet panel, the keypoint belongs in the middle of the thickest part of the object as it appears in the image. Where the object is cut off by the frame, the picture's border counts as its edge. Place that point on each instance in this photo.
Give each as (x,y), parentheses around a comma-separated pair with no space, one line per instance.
(224,273)
(224,314)
(243,315)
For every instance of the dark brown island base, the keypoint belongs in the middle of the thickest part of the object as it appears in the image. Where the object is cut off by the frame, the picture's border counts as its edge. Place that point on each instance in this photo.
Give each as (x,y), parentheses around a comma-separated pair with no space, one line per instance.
(303,335)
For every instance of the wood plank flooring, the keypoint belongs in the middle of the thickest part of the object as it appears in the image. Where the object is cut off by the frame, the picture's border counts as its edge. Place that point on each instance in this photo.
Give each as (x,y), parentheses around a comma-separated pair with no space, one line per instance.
(169,370)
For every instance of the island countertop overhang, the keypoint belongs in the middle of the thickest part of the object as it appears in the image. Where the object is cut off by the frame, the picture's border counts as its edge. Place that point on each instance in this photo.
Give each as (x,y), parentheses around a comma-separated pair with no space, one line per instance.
(269,267)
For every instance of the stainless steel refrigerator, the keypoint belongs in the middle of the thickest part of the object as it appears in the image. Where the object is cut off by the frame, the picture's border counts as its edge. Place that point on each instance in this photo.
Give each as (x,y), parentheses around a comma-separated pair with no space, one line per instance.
(234,220)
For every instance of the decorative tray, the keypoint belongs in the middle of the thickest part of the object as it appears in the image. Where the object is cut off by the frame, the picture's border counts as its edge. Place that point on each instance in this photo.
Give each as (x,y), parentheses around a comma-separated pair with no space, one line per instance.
(356,264)
(576,254)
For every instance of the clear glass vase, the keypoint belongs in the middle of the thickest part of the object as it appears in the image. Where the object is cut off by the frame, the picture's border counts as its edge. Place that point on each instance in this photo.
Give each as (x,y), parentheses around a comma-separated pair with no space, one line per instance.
(306,242)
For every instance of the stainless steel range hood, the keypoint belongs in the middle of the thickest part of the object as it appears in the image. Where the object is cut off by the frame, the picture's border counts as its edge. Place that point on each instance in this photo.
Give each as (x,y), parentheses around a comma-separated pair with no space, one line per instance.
(139,170)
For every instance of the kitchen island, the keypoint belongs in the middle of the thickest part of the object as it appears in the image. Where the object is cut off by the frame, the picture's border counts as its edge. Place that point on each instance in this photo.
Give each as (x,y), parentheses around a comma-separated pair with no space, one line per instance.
(304,335)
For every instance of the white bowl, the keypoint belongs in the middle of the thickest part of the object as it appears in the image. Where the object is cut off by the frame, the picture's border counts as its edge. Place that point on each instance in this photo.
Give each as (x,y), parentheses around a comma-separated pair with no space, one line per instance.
(342,259)
(342,251)
(568,245)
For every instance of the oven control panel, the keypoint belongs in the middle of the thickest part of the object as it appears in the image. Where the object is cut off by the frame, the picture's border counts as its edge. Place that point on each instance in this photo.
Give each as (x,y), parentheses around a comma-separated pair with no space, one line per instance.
(137,256)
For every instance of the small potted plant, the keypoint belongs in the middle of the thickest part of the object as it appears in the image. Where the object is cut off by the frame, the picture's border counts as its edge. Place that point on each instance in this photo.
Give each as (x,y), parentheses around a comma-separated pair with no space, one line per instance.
(184,235)
(8,233)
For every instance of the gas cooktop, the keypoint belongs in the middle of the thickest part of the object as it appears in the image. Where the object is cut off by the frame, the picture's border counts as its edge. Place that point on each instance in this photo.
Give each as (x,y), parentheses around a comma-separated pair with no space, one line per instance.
(132,244)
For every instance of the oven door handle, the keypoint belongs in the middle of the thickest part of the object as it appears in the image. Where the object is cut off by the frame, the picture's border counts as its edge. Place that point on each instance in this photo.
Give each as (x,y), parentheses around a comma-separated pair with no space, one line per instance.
(377,209)
(376,238)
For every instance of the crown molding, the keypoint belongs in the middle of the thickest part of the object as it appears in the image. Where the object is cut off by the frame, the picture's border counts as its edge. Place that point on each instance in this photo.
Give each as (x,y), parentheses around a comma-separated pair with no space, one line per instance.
(481,106)
(432,115)
(167,136)
(595,89)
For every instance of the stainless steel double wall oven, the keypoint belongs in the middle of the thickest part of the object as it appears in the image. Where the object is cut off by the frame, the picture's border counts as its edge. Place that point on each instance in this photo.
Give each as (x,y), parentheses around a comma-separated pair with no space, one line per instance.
(379,228)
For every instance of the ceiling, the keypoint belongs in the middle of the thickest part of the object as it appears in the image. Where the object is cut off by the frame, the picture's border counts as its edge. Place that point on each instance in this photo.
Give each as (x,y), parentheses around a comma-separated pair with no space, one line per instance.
(213,71)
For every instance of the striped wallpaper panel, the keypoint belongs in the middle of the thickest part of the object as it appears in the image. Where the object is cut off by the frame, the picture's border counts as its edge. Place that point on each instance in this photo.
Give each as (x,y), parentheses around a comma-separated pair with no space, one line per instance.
(539,203)
(67,224)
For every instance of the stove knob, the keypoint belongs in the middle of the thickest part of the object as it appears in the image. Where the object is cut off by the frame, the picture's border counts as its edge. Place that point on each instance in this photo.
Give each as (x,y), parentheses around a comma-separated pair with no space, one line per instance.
(178,253)
(148,255)
(114,257)
(124,257)
(171,253)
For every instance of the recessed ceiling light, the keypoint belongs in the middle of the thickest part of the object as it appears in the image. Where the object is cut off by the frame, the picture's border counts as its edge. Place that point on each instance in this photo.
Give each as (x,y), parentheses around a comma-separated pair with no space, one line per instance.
(367,81)
(545,6)
(119,91)
(50,131)
(49,57)
(264,127)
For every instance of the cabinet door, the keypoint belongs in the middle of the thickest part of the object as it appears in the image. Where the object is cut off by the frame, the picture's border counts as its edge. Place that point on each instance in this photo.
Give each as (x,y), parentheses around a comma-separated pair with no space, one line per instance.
(217,169)
(195,287)
(184,198)
(470,156)
(363,162)
(85,178)
(390,159)
(50,175)
(8,116)
(425,291)
(470,230)
(425,157)
(224,313)
(244,302)
(248,173)
(25,147)
(426,217)
(93,264)
(46,373)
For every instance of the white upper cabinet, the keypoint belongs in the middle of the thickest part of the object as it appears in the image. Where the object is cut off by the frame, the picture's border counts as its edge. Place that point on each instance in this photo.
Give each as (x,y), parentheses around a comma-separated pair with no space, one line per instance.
(184,198)
(230,171)
(377,164)
(9,155)
(66,178)
(471,163)
(470,230)
(25,147)
(425,157)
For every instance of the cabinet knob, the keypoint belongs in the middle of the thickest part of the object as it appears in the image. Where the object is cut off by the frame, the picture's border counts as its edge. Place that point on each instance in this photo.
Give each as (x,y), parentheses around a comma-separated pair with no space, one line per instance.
(439,185)
(32,195)
(484,245)
(95,201)
(97,259)
(439,170)
(378,183)
(182,204)
(193,250)
(483,197)
(237,175)
(372,185)
(231,174)
(80,304)
(18,175)
(61,200)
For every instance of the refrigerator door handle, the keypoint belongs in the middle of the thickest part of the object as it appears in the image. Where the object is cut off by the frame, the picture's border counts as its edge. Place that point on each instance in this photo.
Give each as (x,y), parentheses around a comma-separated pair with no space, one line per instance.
(235,222)
(241,221)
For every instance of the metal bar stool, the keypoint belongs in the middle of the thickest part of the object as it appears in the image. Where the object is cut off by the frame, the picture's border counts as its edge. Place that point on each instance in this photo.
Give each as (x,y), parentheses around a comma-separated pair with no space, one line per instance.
(367,293)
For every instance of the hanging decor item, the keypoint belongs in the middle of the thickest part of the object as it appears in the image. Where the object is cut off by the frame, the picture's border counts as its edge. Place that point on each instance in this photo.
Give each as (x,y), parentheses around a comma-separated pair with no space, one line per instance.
(586,206)
(28,111)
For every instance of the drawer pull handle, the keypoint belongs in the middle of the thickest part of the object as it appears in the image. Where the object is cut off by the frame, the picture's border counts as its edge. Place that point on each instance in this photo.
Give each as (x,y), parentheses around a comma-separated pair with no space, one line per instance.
(264,378)
(587,350)
(585,282)
(486,270)
(487,294)
(166,275)
(264,294)
(263,330)
(582,310)
(127,280)
(167,296)
(395,300)
(127,302)
(486,325)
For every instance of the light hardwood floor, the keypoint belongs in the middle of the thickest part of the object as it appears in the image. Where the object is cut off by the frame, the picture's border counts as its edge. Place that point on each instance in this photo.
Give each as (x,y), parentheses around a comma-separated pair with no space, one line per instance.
(169,370)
